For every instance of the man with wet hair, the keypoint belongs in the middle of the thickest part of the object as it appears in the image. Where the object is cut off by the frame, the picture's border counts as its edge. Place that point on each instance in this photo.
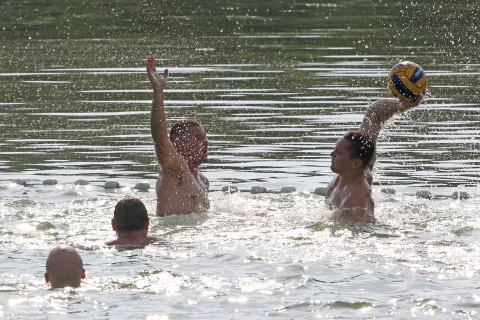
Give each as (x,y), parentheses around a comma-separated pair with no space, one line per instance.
(130,222)
(181,188)
(64,268)
(349,194)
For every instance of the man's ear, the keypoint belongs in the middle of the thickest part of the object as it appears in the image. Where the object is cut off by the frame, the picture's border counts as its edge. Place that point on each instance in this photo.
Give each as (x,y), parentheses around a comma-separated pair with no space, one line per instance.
(175,142)
(358,163)
(147,224)
(83,273)
(47,278)
(114,225)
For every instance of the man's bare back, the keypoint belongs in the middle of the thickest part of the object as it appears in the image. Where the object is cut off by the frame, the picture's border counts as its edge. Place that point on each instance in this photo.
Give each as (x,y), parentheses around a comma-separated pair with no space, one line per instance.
(133,242)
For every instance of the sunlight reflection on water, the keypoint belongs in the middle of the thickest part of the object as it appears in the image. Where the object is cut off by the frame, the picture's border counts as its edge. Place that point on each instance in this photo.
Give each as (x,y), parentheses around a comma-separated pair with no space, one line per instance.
(275,89)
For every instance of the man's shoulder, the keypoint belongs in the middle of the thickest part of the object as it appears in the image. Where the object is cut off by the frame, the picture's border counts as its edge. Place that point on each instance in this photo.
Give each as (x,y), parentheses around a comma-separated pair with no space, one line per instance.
(332,185)
(153,240)
(140,242)
(334,181)
(360,187)
(356,190)
(358,194)
(204,179)
(112,242)
(175,177)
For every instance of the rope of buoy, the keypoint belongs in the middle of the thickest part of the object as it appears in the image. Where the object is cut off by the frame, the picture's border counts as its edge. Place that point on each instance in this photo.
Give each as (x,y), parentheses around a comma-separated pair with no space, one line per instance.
(231,189)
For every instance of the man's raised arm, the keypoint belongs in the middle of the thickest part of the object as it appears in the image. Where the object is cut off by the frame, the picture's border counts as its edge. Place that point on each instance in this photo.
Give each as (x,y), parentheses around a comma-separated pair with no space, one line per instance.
(378,113)
(167,156)
(382,110)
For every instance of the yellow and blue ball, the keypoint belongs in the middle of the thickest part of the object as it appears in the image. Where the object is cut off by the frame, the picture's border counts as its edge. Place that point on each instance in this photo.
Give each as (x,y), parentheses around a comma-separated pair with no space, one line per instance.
(407,80)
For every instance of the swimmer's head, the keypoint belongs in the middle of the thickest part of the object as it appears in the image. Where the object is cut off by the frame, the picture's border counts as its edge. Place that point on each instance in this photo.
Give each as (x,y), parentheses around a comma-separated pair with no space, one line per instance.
(190,140)
(361,146)
(64,268)
(353,152)
(130,215)
(181,128)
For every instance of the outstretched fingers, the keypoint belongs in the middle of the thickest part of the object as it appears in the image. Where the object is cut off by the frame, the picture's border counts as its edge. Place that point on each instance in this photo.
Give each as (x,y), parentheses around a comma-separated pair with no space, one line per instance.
(411,104)
(165,75)
(151,64)
(158,82)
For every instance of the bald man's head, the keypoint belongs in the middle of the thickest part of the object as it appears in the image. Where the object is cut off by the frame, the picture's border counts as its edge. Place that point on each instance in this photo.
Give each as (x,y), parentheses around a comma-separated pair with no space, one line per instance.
(64,267)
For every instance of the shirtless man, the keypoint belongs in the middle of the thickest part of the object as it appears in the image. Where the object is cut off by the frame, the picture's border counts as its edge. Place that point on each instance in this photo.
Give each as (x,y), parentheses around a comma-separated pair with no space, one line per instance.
(64,268)
(181,188)
(349,194)
(130,222)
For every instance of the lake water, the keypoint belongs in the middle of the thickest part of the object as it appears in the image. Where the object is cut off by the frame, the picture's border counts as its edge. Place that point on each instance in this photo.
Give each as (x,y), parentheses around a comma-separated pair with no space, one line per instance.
(275,84)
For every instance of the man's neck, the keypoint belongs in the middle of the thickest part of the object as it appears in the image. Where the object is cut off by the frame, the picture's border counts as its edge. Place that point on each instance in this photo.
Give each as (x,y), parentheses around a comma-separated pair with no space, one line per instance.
(140,234)
(133,238)
(73,284)
(349,177)
(193,168)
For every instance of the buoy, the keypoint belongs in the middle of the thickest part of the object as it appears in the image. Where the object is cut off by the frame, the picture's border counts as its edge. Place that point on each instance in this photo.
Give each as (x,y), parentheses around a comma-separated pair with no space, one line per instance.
(45,226)
(425,194)
(229,189)
(49,182)
(462,195)
(112,185)
(142,186)
(388,190)
(321,191)
(81,182)
(258,189)
(288,189)
(19,181)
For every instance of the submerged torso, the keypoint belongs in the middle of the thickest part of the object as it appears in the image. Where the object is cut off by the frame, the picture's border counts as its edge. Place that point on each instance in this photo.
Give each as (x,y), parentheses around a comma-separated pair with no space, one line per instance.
(338,193)
(187,193)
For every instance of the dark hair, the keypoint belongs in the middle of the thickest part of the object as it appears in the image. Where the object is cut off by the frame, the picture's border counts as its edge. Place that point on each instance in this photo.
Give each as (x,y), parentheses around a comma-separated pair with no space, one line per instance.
(181,128)
(130,215)
(361,146)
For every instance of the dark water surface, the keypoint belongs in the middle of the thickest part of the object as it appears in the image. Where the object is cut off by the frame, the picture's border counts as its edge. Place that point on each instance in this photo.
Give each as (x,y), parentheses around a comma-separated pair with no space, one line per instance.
(275,83)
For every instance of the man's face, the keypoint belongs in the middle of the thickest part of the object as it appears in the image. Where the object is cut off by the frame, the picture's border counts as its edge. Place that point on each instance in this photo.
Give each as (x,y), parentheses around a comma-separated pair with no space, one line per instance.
(341,160)
(193,145)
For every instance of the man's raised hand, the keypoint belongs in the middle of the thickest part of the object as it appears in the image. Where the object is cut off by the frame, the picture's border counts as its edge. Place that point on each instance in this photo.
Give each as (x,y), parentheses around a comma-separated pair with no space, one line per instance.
(407,105)
(158,82)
